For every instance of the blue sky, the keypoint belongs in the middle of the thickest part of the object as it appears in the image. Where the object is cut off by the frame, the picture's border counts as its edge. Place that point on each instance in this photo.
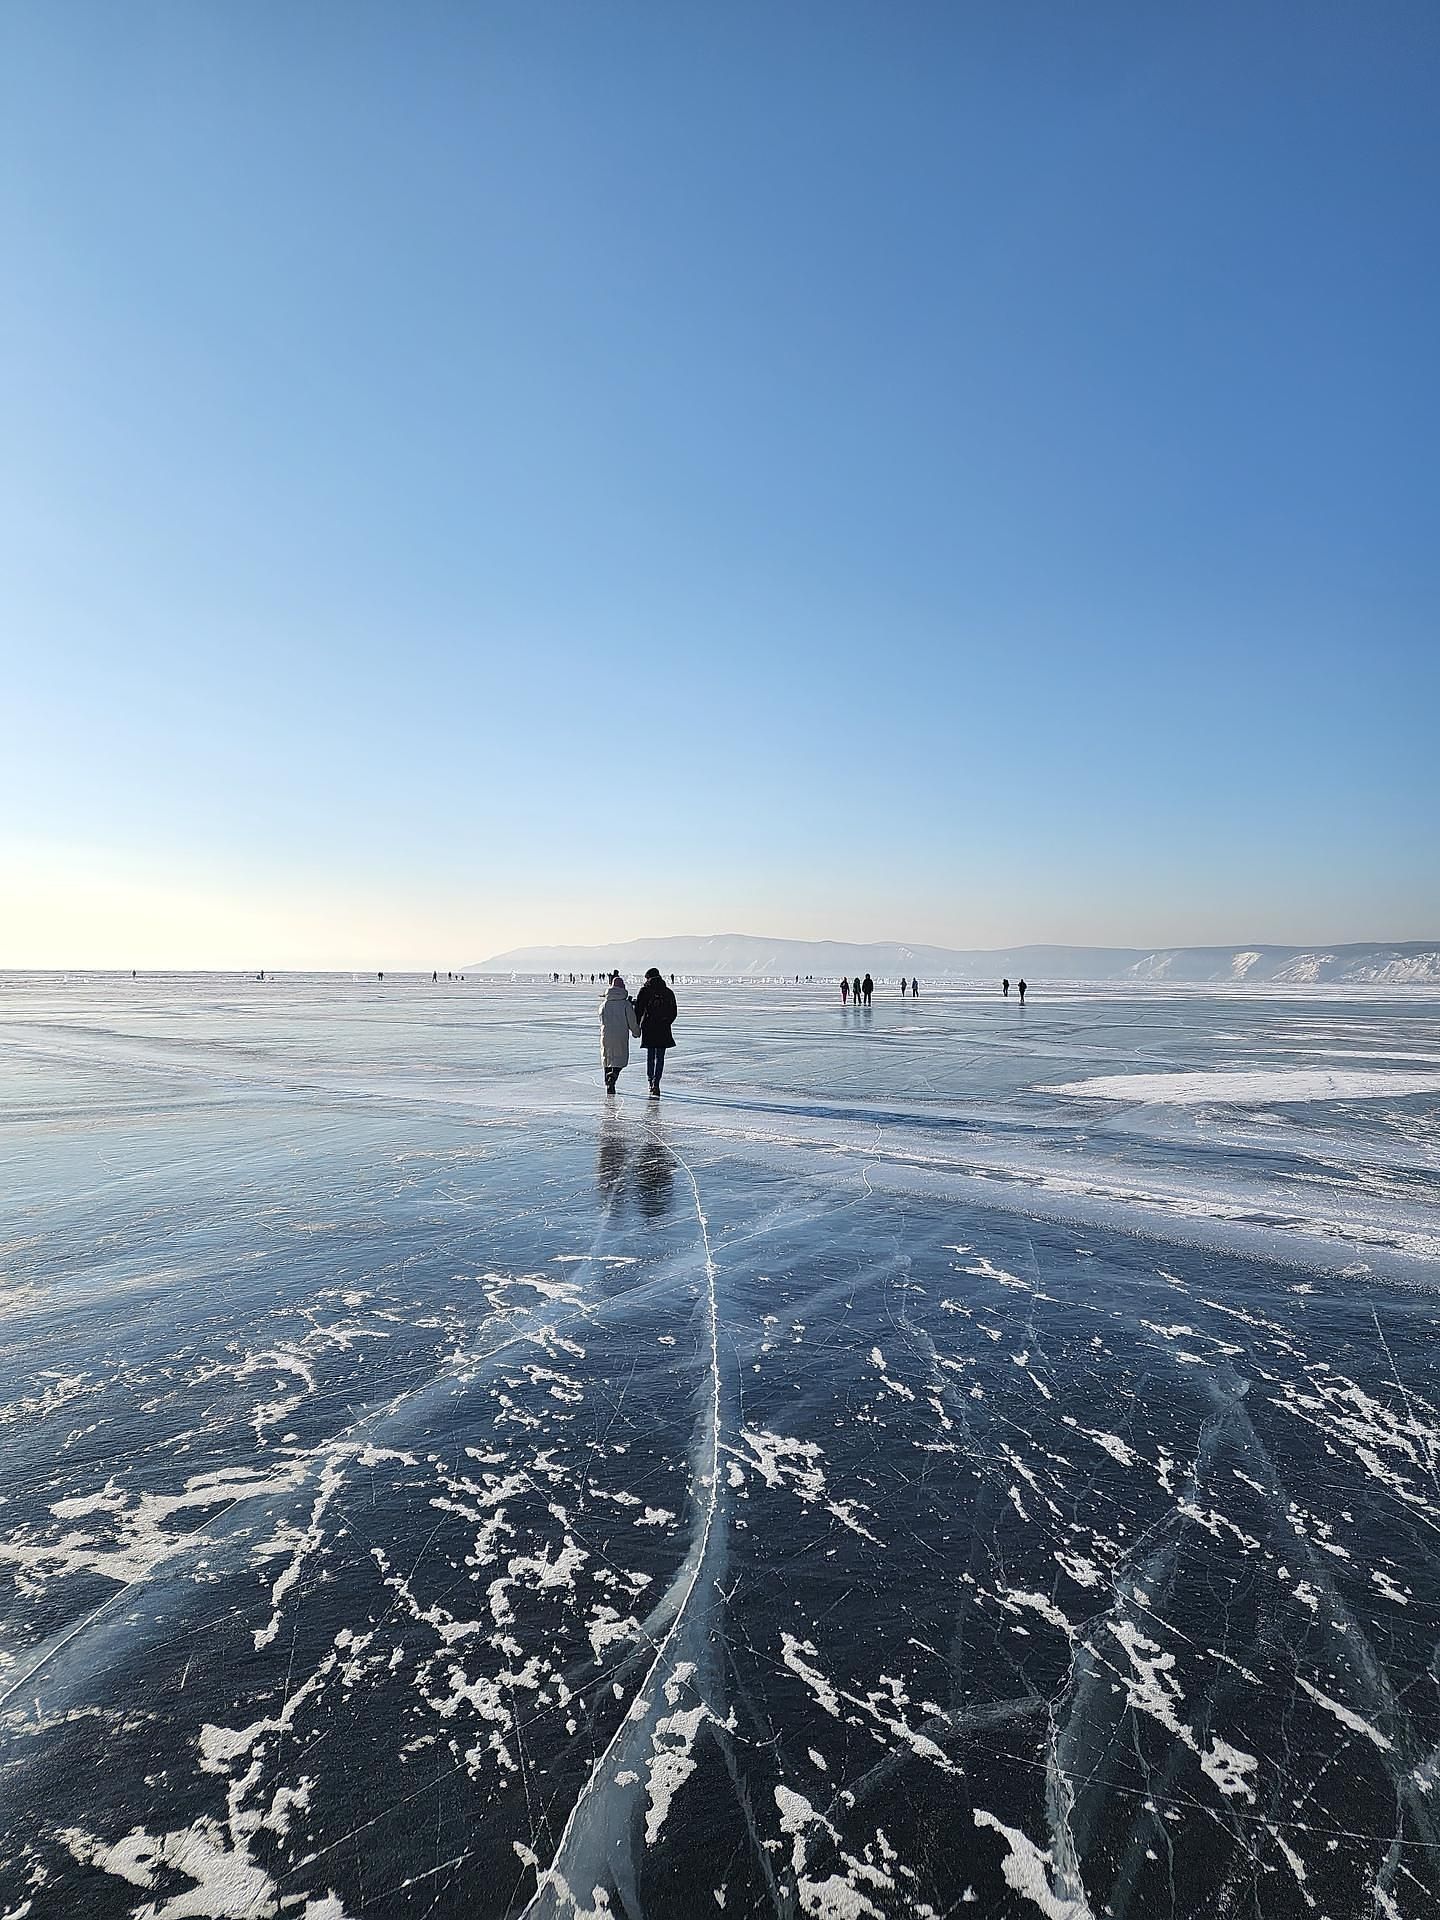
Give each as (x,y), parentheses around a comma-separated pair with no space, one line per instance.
(480,474)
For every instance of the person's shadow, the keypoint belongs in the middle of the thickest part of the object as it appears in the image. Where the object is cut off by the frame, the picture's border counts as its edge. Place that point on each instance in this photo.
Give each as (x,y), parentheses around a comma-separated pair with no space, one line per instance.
(612,1163)
(654,1170)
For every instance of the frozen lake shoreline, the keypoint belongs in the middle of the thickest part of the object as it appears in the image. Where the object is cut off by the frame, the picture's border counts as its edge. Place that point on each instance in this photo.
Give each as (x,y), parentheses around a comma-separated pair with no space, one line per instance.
(951,1449)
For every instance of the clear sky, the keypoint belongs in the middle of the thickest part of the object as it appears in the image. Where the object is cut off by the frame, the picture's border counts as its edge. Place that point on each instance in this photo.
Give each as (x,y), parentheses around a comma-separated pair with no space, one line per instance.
(484,473)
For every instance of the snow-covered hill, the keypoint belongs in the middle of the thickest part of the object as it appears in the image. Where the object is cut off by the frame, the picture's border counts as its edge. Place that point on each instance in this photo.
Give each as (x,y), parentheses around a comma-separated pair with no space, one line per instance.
(1389,964)
(742,955)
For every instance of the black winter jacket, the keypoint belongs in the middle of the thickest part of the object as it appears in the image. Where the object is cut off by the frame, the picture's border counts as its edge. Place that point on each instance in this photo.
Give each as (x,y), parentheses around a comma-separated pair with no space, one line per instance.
(656,1008)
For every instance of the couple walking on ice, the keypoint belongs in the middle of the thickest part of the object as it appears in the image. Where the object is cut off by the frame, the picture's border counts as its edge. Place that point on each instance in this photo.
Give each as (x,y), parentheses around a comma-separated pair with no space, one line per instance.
(649,1018)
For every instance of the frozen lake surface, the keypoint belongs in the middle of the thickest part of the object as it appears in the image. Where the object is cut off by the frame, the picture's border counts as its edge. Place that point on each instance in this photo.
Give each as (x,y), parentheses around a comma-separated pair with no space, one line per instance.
(949,1459)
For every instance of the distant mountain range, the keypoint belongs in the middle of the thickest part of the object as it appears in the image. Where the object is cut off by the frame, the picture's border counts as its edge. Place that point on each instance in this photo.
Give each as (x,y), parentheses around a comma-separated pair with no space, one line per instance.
(743,955)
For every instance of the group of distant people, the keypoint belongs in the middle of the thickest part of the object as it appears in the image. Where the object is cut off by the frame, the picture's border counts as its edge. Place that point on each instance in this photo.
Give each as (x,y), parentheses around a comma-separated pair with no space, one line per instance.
(863,991)
(434,976)
(596,979)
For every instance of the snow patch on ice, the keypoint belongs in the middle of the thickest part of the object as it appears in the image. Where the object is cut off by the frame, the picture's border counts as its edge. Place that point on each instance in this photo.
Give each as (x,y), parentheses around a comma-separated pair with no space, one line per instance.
(1031,1872)
(1250,1086)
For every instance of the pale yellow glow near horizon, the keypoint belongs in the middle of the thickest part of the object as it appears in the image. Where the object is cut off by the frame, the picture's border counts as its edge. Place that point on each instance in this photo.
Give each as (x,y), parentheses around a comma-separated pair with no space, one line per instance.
(66,907)
(79,908)
(77,911)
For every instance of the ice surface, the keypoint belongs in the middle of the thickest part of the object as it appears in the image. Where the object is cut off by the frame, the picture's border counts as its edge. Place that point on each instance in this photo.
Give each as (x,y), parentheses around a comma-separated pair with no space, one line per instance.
(949,1458)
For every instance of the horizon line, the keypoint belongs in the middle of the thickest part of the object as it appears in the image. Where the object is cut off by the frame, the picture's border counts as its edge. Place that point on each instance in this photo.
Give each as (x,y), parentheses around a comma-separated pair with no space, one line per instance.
(1092,946)
(250,969)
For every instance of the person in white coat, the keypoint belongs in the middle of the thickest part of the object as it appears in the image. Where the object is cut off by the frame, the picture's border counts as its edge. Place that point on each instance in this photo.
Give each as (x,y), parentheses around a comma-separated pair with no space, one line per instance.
(617,1024)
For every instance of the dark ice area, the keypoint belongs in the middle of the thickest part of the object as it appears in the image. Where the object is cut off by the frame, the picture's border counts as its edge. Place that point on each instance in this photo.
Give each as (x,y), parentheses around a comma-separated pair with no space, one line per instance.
(942,1459)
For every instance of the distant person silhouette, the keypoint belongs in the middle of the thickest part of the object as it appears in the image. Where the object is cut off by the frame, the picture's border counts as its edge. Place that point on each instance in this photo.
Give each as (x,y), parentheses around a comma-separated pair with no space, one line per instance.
(1022,993)
(869,987)
(903,986)
(844,991)
(655,1007)
(855,989)
(1005,989)
(617,1024)
(914,988)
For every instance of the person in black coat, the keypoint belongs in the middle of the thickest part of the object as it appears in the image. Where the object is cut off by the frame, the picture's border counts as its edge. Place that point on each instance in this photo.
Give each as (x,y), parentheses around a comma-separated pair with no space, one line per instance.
(656,1008)
(869,986)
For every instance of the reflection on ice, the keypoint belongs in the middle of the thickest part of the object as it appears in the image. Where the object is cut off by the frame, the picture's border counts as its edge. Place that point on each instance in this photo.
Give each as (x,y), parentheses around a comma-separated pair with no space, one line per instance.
(934,1461)
(634,1165)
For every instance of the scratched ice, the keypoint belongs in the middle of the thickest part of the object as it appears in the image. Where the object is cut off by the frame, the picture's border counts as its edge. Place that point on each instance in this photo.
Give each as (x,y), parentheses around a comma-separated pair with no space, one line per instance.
(911,1471)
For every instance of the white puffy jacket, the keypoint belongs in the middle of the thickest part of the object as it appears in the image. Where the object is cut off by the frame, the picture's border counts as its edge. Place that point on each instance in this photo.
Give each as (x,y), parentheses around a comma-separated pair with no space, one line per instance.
(617,1023)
